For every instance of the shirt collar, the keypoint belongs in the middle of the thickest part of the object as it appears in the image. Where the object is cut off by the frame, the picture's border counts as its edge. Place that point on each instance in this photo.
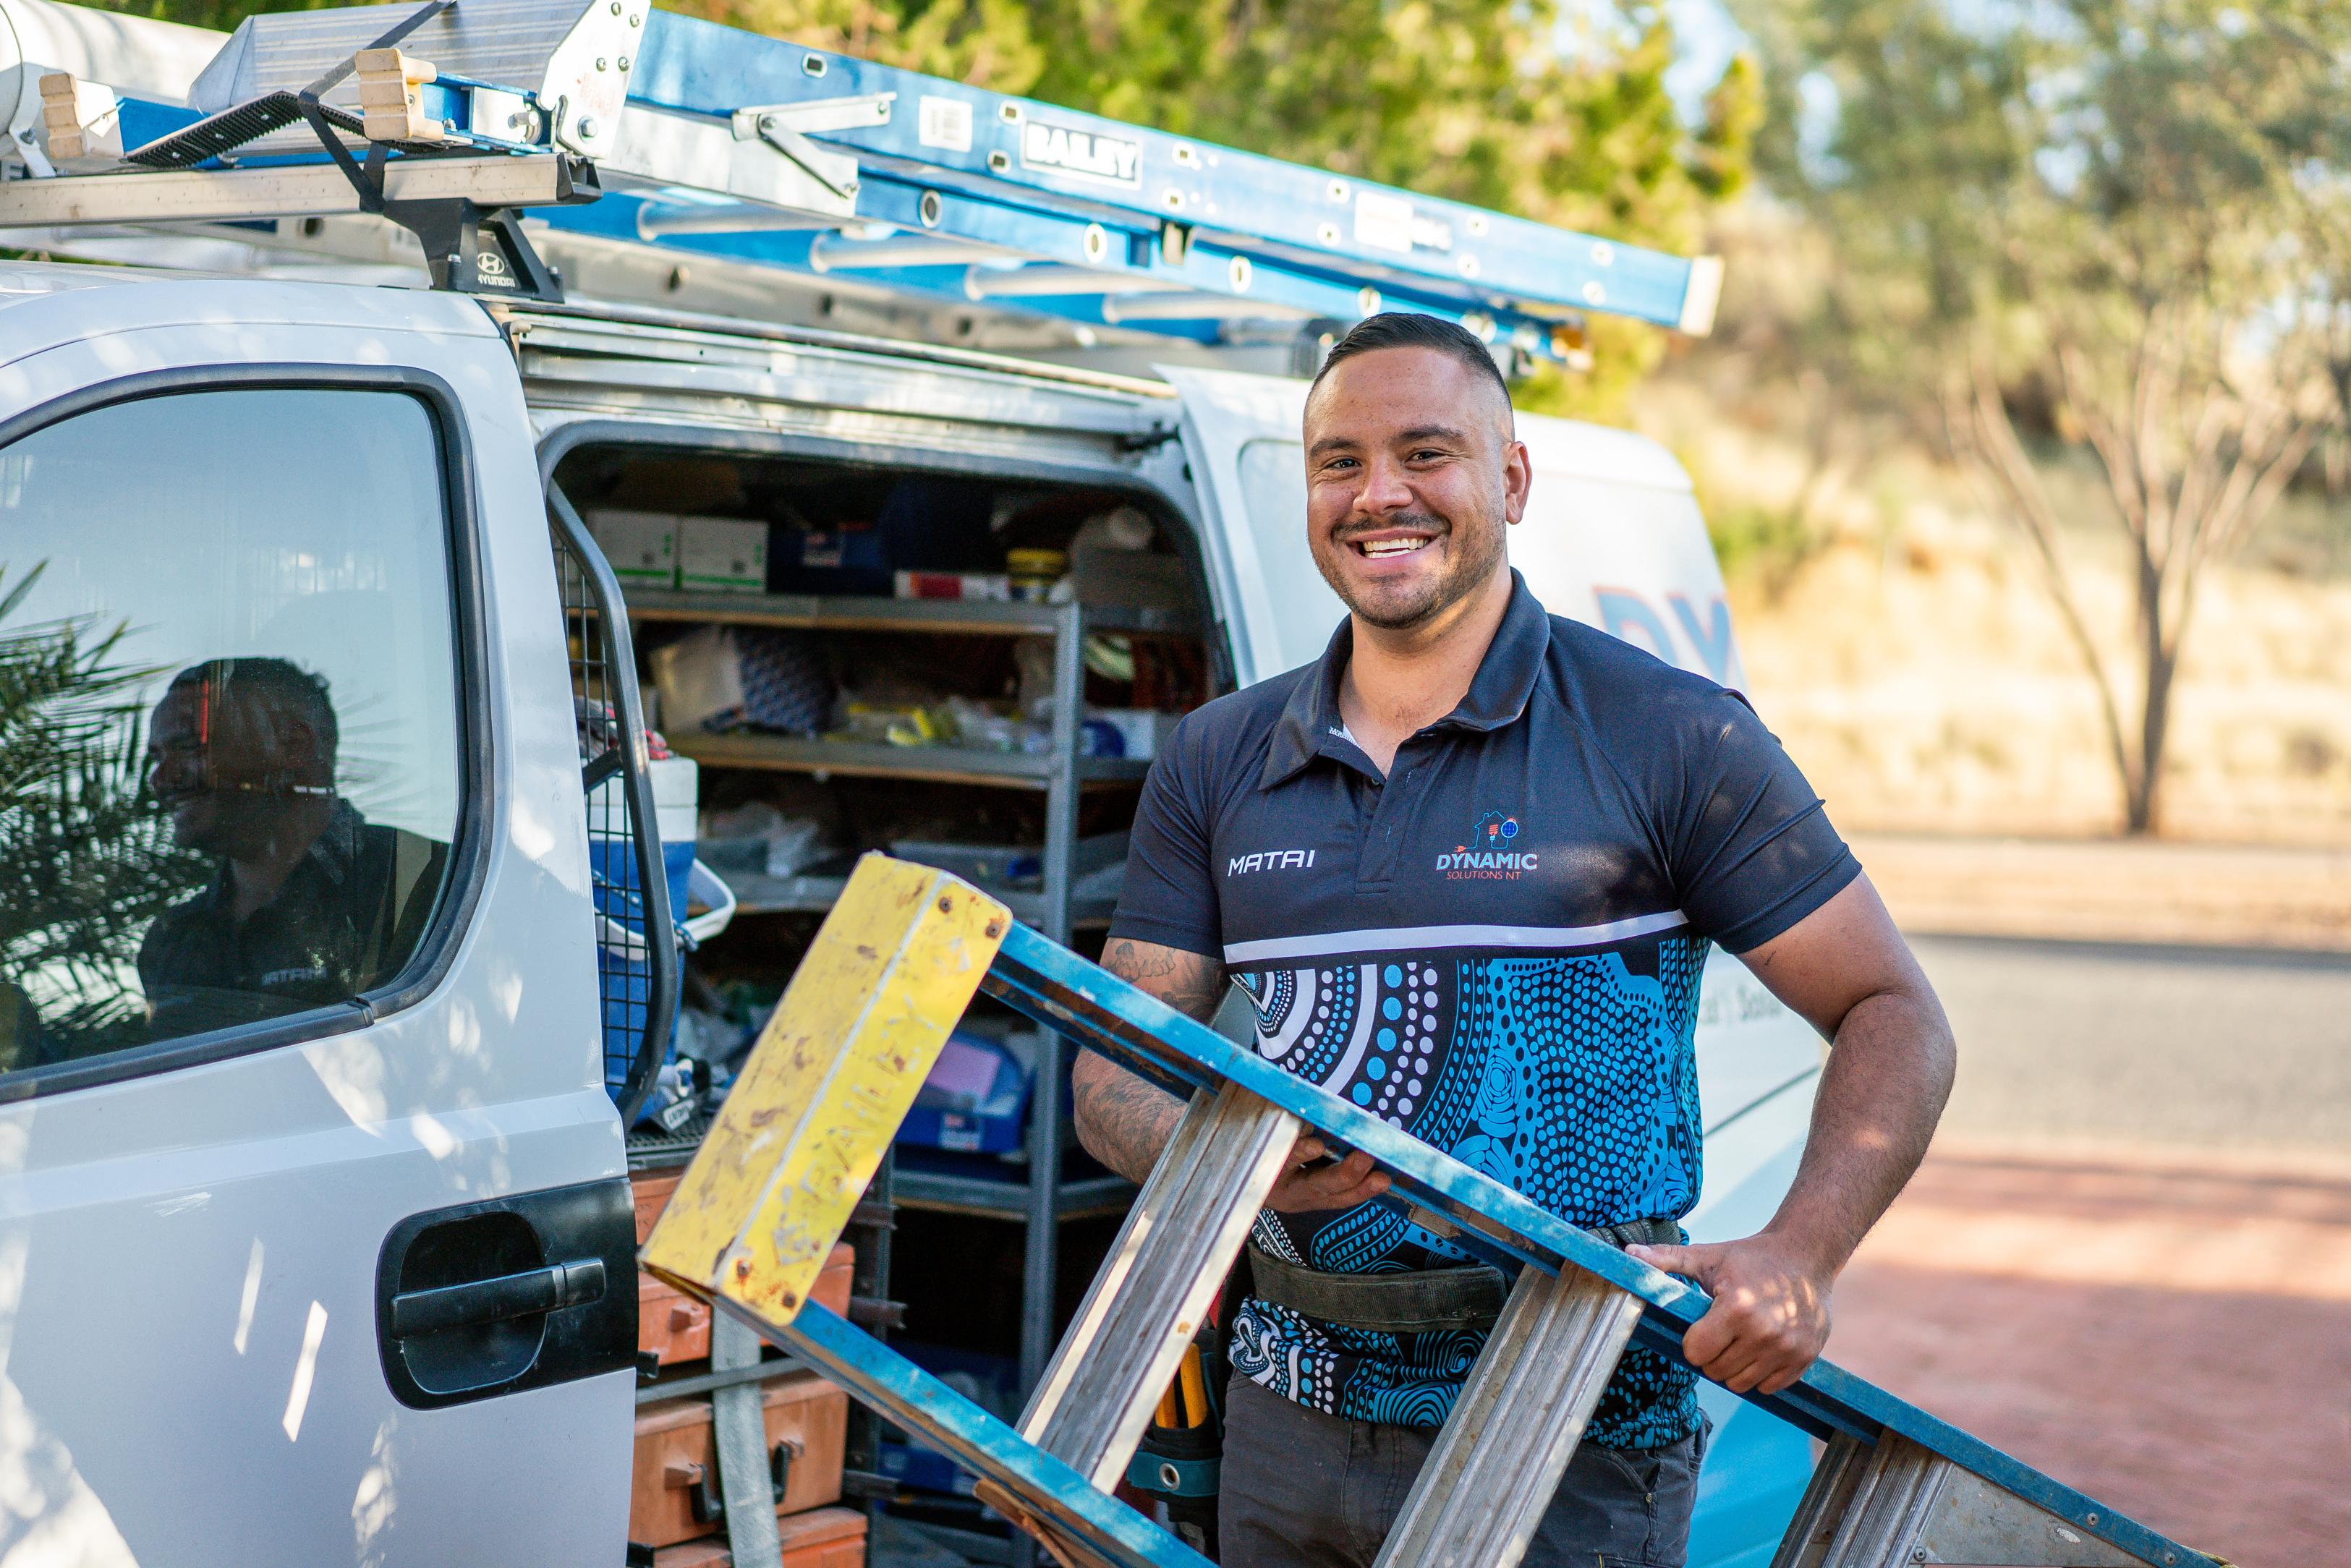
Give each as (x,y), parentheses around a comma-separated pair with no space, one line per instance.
(332,853)
(337,847)
(1310,726)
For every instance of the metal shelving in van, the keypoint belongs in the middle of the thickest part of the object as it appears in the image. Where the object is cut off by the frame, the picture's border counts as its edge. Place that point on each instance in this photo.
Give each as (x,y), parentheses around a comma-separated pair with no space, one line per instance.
(879,759)
(812,894)
(1080,1198)
(1042,1197)
(869,612)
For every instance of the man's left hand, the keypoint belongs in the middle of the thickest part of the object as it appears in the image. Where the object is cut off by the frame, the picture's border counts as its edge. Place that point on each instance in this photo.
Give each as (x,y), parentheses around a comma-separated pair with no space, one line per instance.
(1770,1313)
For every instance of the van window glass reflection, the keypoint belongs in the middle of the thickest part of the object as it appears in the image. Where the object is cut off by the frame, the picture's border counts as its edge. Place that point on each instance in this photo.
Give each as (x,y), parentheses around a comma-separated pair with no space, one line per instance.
(308,902)
(229,738)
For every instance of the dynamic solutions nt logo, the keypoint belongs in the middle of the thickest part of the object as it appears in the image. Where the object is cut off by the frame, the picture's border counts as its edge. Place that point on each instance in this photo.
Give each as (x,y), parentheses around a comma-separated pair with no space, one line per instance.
(1488,853)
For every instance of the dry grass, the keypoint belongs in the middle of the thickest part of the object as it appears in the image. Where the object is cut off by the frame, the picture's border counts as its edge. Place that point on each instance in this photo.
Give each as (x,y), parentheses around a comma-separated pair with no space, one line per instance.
(1917,669)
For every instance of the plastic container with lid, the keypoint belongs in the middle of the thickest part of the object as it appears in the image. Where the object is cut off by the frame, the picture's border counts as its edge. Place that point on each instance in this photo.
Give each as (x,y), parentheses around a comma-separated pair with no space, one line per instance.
(1035,571)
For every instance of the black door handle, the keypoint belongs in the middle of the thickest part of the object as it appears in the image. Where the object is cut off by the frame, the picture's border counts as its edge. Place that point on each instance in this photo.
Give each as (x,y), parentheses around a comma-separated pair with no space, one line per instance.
(547,1290)
(508,1293)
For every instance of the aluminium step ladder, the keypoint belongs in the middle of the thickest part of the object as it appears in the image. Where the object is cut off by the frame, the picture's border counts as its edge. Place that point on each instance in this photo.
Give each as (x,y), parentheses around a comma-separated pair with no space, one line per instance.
(890,972)
(669,139)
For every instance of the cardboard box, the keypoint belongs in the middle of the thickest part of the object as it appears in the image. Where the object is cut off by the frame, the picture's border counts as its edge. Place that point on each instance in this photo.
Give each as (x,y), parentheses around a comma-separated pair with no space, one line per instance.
(720,555)
(677,1455)
(1141,732)
(820,1538)
(640,546)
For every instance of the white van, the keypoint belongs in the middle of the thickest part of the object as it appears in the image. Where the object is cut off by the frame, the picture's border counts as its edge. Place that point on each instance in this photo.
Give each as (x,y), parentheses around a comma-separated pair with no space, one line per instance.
(287,541)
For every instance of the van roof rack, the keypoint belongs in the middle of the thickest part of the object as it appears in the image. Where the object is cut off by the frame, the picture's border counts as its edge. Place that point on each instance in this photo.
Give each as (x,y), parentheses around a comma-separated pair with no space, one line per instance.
(619,125)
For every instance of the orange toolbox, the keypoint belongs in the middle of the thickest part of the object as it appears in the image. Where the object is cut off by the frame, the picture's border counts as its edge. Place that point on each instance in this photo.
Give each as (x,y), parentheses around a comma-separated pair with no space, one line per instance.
(823,1538)
(651,1189)
(674,1486)
(675,1327)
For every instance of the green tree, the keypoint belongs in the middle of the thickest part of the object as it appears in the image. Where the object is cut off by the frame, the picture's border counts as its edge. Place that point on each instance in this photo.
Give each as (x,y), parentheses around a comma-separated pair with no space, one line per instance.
(2083,224)
(89,861)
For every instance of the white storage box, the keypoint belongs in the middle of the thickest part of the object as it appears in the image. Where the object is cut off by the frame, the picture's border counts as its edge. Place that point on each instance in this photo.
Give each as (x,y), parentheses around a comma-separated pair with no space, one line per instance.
(640,546)
(720,555)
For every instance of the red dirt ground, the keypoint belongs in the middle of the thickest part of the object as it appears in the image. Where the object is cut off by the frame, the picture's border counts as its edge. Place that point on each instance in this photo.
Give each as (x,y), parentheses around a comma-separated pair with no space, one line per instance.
(2172,1339)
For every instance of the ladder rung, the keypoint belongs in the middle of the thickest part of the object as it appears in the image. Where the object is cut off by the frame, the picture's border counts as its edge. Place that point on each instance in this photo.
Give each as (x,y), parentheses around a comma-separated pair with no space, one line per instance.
(1515,1427)
(1148,1300)
(1899,1504)
(1827,1496)
(1078,1524)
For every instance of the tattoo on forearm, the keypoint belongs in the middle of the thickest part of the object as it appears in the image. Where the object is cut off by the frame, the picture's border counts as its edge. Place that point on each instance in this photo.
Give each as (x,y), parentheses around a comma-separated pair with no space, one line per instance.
(1191,983)
(1123,1121)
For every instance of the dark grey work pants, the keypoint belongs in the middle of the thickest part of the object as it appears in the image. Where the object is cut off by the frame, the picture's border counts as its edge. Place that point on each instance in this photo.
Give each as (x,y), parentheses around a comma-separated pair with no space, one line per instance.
(1302,1489)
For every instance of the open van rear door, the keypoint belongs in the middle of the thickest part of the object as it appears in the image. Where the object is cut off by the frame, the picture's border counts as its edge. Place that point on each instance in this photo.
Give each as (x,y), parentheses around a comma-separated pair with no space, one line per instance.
(1240,432)
(1611,538)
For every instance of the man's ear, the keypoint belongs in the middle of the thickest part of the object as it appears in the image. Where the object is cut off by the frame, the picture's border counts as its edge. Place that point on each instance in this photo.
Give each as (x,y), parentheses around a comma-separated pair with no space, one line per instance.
(295,749)
(1518,480)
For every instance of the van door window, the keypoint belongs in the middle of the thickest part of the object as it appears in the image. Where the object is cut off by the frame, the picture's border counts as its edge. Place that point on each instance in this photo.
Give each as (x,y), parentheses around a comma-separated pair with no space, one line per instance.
(229,730)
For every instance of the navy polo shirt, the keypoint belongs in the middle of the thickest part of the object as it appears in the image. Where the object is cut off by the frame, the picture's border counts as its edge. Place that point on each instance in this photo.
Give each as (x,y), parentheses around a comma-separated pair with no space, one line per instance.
(1496,947)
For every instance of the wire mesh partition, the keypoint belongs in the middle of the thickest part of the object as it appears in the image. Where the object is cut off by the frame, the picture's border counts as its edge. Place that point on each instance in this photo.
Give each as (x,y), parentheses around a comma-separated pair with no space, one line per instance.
(636,944)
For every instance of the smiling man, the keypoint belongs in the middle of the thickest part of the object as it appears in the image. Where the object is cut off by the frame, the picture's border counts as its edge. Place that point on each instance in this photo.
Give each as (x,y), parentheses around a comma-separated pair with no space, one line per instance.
(1468,867)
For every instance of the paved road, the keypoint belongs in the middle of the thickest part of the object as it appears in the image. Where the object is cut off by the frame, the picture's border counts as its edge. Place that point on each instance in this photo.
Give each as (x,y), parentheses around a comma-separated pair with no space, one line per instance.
(2128,1261)
(2208,1048)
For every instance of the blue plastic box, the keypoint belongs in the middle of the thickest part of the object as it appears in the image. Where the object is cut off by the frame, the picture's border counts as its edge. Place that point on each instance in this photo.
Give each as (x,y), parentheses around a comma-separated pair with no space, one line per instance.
(995,1127)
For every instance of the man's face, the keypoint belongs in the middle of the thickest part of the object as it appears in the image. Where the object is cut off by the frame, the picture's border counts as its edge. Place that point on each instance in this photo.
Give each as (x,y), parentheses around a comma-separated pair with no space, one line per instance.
(215,772)
(1411,473)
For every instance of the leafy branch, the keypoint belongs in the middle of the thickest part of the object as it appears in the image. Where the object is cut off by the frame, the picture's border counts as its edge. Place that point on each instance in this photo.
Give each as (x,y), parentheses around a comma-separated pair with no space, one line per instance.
(88,861)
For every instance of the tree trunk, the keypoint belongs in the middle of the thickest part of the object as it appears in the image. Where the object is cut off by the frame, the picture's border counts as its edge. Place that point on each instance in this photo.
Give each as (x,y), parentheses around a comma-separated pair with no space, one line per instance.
(2143,792)
(2145,804)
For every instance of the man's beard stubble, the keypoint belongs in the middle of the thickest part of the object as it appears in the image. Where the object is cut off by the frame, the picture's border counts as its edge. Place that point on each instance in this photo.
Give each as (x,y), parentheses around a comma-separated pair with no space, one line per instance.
(1466,567)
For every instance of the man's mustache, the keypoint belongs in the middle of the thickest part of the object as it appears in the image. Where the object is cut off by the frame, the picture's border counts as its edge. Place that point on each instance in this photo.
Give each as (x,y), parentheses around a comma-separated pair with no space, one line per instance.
(1348,533)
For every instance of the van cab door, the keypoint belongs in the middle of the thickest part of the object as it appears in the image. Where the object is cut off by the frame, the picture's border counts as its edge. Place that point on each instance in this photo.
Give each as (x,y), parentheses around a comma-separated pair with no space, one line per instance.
(315,1233)
(1611,538)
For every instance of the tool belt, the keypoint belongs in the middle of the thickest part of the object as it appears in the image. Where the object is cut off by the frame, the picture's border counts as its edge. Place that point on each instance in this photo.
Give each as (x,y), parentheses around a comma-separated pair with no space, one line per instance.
(1425,1301)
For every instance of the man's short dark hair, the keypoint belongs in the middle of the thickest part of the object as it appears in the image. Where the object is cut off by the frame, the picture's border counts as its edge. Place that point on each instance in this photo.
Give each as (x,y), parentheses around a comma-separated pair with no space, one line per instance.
(1411,329)
(279,682)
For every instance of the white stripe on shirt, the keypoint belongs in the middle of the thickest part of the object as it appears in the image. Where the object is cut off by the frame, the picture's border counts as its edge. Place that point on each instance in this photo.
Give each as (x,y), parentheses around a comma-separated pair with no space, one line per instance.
(1422,938)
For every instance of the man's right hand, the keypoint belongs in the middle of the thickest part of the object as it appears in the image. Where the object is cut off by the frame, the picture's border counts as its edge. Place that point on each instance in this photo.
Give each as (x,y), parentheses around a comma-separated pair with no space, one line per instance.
(1312,1183)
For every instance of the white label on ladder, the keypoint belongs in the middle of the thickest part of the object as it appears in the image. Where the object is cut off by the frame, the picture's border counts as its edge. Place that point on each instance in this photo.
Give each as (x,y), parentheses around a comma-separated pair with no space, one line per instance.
(1088,154)
(1383,222)
(945,122)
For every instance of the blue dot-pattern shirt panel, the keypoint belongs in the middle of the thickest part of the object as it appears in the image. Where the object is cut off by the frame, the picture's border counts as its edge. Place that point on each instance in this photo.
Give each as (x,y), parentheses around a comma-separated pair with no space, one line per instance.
(1498,947)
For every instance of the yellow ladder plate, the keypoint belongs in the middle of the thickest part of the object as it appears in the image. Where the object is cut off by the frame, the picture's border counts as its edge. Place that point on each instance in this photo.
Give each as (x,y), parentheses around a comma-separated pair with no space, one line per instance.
(833,1075)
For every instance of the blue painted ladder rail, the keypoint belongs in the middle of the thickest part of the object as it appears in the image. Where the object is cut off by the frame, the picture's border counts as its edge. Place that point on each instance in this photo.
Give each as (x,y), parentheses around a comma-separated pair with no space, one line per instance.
(735,146)
(1141,209)
(1894,1486)
(1088,1005)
